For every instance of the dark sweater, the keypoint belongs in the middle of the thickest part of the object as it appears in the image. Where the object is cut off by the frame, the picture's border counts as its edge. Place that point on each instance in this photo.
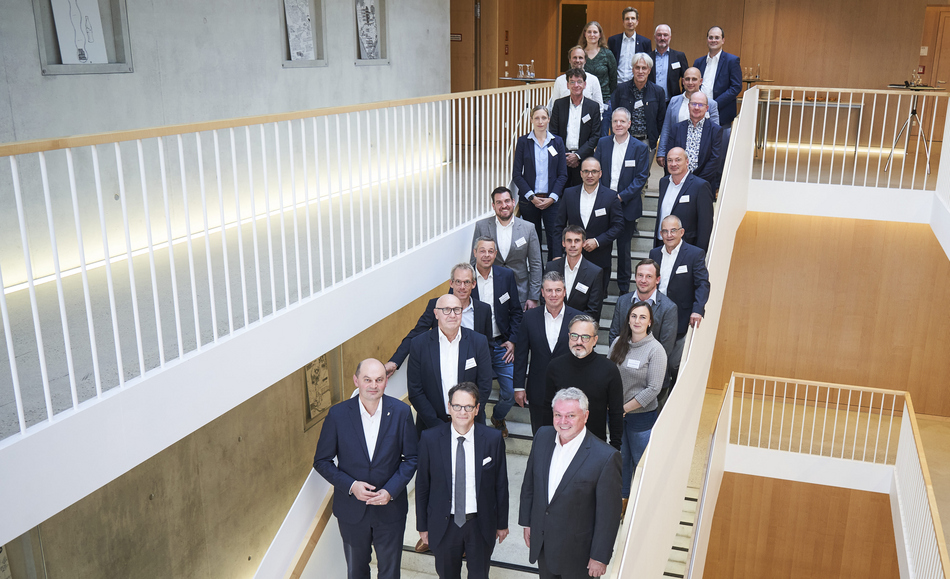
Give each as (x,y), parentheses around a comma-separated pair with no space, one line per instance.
(600,380)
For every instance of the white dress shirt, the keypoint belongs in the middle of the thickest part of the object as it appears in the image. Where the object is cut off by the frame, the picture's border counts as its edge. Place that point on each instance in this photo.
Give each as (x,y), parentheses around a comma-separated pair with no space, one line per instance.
(591,91)
(471,502)
(503,236)
(561,459)
(449,362)
(570,274)
(371,426)
(587,204)
(709,76)
(628,47)
(486,293)
(669,200)
(572,142)
(666,268)
(616,161)
(468,315)
(650,299)
(552,326)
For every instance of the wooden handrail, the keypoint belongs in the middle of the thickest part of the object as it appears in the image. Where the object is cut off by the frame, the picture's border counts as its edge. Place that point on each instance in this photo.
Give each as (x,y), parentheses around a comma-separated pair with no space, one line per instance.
(319,523)
(826,384)
(904,92)
(56,143)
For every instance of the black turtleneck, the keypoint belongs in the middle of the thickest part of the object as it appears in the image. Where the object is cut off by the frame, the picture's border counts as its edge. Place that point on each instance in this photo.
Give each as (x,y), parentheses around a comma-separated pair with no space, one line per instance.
(600,380)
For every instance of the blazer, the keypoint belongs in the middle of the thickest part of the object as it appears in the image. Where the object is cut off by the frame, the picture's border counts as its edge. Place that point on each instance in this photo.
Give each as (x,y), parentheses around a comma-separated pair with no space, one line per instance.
(605,223)
(672,118)
(589,301)
(507,306)
(533,338)
(654,106)
(523,173)
(726,86)
(674,76)
(711,154)
(425,375)
(664,326)
(694,207)
(689,283)
(615,42)
(589,129)
(581,521)
(633,175)
(524,254)
(434,490)
(393,464)
(427,321)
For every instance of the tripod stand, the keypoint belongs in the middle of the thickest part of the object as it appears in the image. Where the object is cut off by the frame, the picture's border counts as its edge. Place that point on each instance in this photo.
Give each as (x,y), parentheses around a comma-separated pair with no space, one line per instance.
(906,126)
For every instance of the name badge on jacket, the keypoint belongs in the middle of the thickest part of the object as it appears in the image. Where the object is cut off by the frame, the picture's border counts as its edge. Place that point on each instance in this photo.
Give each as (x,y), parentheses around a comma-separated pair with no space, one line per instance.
(637,105)
(675,65)
(552,150)
(581,288)
(504,298)
(520,241)
(635,364)
(630,163)
(470,363)
(585,118)
(684,199)
(600,212)
(681,269)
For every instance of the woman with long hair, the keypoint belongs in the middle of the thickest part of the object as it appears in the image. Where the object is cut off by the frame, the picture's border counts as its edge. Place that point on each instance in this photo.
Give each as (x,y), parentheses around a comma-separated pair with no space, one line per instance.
(600,61)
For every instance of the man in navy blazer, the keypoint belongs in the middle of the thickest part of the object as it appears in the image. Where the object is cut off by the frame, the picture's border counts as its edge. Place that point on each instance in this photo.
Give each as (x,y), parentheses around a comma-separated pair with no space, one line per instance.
(706,161)
(671,64)
(688,197)
(580,142)
(584,290)
(374,443)
(725,83)
(597,209)
(475,314)
(427,384)
(627,43)
(627,178)
(462,462)
(533,340)
(645,101)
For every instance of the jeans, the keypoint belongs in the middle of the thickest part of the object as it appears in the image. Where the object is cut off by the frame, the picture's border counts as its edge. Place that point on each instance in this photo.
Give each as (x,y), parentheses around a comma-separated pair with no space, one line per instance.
(631,449)
(504,372)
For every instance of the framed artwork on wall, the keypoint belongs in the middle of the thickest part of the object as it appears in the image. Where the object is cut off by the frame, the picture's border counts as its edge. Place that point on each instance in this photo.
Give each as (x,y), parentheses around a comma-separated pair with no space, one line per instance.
(323,386)
(371,32)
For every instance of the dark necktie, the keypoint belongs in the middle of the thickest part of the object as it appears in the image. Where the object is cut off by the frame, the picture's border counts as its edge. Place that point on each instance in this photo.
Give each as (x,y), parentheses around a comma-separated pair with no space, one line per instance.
(460,483)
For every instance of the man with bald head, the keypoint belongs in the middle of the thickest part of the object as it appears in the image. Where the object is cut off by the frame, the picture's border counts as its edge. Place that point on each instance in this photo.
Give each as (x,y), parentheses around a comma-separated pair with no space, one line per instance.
(688,197)
(372,438)
(443,357)
(702,140)
(668,64)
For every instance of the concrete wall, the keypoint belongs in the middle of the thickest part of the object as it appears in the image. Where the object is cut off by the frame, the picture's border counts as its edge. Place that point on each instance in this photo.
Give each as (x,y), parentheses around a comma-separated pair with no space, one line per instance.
(196,61)
(209,505)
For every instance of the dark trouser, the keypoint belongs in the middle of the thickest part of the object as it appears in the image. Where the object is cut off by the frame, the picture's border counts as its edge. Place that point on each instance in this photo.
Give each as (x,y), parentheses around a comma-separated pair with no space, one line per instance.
(623,255)
(602,259)
(360,538)
(574,175)
(548,217)
(545,573)
(540,415)
(468,540)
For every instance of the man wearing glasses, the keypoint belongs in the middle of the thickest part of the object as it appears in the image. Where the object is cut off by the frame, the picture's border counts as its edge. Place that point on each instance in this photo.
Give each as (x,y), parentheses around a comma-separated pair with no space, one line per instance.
(594,375)
(576,119)
(701,138)
(689,198)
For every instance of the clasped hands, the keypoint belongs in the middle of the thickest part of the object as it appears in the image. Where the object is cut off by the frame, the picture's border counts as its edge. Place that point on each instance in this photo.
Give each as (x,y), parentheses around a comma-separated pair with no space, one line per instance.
(367,493)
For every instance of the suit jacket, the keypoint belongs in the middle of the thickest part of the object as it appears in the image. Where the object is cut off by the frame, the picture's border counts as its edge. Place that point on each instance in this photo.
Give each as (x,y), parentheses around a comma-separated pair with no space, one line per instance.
(393,464)
(507,306)
(425,374)
(605,227)
(672,118)
(726,86)
(694,207)
(689,283)
(581,520)
(633,175)
(589,301)
(434,489)
(589,129)
(524,254)
(674,76)
(664,326)
(532,338)
(615,42)
(427,321)
(654,106)
(711,153)
(523,173)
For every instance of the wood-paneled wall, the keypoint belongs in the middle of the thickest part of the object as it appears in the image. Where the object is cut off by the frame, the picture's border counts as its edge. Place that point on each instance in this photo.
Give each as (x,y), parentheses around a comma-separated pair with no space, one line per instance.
(838,300)
(767,527)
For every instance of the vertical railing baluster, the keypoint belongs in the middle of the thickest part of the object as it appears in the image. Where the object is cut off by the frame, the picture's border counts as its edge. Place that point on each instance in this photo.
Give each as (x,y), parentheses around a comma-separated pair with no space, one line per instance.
(171,248)
(378,183)
(390,206)
(283,225)
(11,356)
(877,437)
(267,222)
(239,226)
(761,415)
(410,214)
(149,242)
(107,259)
(834,430)
(326,148)
(741,410)
(319,190)
(254,214)
(890,427)
(306,200)
(224,238)
(188,241)
(834,136)
(801,435)
(128,256)
(778,122)
(847,133)
(811,135)
(204,220)
(887,102)
(293,204)
(824,424)
(857,423)
(867,428)
(358,189)
(814,419)
(847,416)
(765,137)
(824,129)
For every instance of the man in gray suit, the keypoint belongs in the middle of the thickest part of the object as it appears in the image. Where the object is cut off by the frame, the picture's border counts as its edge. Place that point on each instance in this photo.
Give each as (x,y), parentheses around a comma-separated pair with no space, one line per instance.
(570,498)
(518,247)
(647,276)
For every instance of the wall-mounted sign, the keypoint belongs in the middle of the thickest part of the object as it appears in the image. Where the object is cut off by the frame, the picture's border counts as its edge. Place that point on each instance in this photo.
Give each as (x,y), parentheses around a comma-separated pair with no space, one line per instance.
(455,37)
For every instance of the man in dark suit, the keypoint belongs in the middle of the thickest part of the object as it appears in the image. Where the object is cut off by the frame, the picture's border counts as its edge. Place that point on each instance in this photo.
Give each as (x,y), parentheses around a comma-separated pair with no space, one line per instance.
(627,43)
(706,157)
(570,498)
(496,286)
(576,119)
(596,209)
(583,281)
(543,335)
(684,279)
(668,64)
(645,101)
(374,443)
(627,177)
(517,243)
(434,355)
(462,489)
(475,314)
(722,76)
(688,197)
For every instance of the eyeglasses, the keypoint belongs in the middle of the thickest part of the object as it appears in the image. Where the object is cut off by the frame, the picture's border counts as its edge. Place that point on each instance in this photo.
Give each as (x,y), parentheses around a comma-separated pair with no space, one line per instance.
(669,231)
(588,172)
(448,311)
(459,407)
(576,82)
(697,105)
(463,282)
(584,338)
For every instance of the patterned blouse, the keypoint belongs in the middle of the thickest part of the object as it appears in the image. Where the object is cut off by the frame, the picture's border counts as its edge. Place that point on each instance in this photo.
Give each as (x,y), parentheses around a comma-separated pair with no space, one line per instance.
(604,67)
